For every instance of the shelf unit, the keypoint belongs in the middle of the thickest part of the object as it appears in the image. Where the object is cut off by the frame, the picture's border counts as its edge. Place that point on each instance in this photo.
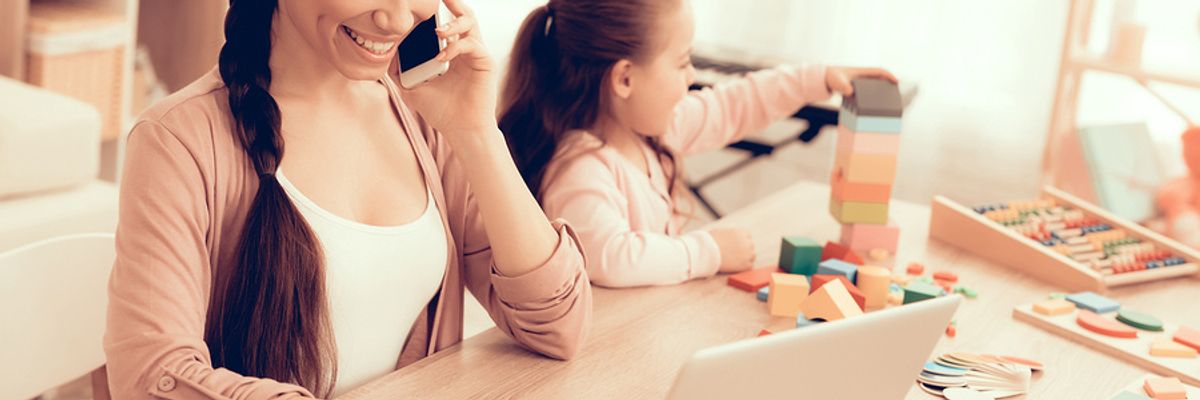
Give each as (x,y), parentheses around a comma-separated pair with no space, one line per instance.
(1063,163)
(13,19)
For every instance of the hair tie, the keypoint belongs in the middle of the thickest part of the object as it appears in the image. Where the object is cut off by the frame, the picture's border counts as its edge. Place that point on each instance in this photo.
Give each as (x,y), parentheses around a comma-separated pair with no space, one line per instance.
(549,20)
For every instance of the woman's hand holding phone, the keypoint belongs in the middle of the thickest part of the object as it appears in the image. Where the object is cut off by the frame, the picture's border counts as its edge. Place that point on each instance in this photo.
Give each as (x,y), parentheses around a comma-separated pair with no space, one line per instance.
(463,100)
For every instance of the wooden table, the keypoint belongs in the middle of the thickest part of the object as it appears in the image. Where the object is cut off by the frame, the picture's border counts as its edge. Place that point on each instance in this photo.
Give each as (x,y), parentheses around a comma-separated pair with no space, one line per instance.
(640,337)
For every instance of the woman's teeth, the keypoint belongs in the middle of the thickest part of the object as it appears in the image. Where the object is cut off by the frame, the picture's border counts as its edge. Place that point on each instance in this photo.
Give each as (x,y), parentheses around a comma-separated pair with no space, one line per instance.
(379,48)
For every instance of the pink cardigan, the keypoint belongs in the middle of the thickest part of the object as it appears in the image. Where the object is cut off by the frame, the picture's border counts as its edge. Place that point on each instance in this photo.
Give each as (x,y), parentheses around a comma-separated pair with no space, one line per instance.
(630,227)
(184,196)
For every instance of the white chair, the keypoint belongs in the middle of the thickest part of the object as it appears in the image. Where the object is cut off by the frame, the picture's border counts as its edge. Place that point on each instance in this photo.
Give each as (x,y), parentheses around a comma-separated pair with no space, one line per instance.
(53,300)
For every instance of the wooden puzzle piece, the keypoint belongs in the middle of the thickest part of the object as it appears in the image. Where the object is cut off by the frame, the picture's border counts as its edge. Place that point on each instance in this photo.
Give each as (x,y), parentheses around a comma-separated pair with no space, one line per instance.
(1188,337)
(1165,347)
(1104,326)
(1139,320)
(1094,302)
(1165,389)
(1054,307)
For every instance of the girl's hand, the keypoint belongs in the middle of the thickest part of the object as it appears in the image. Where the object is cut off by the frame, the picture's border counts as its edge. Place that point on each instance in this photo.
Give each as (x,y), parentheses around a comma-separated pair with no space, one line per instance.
(463,100)
(737,249)
(838,78)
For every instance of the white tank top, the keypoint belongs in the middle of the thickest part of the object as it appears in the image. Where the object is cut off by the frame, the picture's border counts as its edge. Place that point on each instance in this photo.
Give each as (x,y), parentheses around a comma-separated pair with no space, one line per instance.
(378,280)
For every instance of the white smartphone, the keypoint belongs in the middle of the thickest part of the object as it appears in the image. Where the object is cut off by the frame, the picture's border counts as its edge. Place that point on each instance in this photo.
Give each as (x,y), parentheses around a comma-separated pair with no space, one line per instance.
(417,51)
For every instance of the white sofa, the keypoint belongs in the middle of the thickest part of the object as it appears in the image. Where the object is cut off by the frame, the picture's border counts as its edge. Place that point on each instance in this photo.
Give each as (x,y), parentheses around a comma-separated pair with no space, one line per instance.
(49,160)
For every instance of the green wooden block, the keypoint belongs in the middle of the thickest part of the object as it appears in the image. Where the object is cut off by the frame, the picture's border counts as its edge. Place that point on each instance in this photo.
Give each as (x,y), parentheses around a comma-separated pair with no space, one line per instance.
(920,291)
(799,255)
(966,291)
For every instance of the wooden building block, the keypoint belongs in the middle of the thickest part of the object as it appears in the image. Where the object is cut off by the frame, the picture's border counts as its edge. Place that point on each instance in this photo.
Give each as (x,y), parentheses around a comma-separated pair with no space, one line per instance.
(831,302)
(819,280)
(787,294)
(849,141)
(764,293)
(752,280)
(835,250)
(874,283)
(799,255)
(878,169)
(1165,347)
(838,267)
(1165,389)
(1188,337)
(844,190)
(919,291)
(803,321)
(865,237)
(859,213)
(1093,302)
(895,298)
(1054,307)
(865,123)
(874,97)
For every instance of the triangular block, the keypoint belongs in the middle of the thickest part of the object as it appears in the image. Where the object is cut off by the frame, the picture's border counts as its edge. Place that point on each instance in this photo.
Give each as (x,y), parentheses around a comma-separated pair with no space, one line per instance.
(831,302)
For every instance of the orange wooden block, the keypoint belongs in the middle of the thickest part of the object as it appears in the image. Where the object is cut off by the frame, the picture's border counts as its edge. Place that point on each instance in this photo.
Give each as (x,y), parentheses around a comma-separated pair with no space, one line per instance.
(831,302)
(866,168)
(860,298)
(787,294)
(1165,347)
(1054,307)
(915,268)
(951,331)
(1104,326)
(843,190)
(1165,389)
(754,279)
(763,332)
(834,250)
(1188,337)
(874,282)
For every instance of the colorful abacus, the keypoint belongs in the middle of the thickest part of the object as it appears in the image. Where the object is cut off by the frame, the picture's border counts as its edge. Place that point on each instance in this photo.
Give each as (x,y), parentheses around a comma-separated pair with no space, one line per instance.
(1088,240)
(1063,240)
(865,165)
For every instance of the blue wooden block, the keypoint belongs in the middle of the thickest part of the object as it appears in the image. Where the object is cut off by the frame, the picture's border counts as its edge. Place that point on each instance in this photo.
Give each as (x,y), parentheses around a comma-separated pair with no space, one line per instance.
(834,266)
(764,293)
(868,124)
(1093,302)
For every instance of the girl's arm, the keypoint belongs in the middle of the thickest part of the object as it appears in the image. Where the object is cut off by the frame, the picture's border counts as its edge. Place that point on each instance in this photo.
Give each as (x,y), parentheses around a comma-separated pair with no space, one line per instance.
(711,118)
(585,193)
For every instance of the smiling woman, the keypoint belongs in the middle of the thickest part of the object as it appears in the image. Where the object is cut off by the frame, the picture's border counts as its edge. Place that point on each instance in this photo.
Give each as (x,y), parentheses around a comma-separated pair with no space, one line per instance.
(233,281)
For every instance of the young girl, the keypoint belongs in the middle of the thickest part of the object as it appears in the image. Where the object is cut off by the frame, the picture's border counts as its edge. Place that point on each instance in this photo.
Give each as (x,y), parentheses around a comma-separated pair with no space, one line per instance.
(234,280)
(596,110)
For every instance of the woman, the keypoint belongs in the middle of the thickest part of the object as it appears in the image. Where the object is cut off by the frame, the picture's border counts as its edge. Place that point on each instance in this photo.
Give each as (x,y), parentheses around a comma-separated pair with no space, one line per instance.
(236,280)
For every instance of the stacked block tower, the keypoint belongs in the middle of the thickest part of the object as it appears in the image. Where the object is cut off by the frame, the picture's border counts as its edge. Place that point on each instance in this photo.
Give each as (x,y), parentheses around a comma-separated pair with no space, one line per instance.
(865,165)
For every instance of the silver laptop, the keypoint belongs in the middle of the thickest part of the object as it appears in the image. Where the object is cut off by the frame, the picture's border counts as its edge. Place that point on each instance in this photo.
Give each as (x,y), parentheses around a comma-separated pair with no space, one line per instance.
(874,356)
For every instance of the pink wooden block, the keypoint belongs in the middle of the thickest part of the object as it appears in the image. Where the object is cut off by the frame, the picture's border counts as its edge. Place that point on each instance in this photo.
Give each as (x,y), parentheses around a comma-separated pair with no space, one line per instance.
(865,237)
(867,142)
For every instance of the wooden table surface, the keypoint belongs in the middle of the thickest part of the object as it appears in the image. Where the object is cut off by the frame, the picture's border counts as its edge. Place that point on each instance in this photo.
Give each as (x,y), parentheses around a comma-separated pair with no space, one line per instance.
(641,337)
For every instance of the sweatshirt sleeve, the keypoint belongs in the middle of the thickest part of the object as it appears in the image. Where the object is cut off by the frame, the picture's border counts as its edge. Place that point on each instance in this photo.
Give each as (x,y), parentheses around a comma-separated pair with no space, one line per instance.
(158,290)
(547,309)
(586,193)
(714,117)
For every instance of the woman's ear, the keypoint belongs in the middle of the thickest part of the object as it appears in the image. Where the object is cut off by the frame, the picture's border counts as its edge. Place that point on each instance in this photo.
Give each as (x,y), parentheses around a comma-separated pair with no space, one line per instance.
(620,78)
